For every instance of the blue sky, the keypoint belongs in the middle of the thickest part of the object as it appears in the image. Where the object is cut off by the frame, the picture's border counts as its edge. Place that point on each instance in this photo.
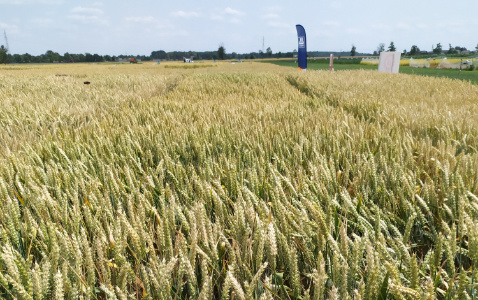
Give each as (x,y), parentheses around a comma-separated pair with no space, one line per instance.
(139,27)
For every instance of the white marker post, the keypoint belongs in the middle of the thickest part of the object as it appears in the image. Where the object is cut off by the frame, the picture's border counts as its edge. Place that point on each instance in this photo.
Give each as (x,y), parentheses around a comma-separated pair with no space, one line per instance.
(331,64)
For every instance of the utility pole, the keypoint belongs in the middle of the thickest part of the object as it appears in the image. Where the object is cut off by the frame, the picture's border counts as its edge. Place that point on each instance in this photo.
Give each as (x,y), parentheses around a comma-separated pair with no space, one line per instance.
(6,40)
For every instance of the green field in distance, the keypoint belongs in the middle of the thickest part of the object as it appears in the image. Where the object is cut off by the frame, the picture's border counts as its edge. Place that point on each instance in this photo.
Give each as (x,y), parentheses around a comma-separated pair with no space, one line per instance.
(340,65)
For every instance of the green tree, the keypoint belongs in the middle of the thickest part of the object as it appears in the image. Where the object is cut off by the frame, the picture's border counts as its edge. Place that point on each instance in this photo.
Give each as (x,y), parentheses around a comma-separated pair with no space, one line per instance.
(380,48)
(269,52)
(67,57)
(97,58)
(161,54)
(221,52)
(414,50)
(27,58)
(451,50)
(3,55)
(89,57)
(353,51)
(75,57)
(392,47)
(17,58)
(437,49)
(51,56)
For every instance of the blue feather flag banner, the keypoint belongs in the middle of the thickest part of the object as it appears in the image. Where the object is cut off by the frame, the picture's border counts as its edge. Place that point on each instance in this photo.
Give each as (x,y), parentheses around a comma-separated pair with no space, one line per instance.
(302,52)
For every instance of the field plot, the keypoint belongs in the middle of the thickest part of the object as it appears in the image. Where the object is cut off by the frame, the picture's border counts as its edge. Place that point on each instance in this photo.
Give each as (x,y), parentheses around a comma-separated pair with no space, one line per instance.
(354,64)
(245,181)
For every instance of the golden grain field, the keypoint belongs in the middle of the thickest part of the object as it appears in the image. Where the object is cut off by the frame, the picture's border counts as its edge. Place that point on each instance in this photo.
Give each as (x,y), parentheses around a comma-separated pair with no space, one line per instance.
(244,181)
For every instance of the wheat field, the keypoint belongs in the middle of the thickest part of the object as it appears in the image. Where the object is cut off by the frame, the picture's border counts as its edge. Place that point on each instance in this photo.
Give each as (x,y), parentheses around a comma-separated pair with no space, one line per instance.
(244,181)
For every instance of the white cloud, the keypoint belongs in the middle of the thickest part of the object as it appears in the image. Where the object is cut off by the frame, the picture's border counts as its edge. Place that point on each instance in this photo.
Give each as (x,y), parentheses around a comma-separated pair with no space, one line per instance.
(142,20)
(403,26)
(354,30)
(151,21)
(322,33)
(380,27)
(331,23)
(421,26)
(172,33)
(7,26)
(229,14)
(217,17)
(86,19)
(87,10)
(185,14)
(164,26)
(279,24)
(271,16)
(42,21)
(234,12)
(336,5)
(87,15)
(22,2)
(274,8)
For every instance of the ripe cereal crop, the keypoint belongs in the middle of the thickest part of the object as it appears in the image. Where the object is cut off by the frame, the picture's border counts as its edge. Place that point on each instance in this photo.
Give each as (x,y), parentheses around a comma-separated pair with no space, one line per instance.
(245,181)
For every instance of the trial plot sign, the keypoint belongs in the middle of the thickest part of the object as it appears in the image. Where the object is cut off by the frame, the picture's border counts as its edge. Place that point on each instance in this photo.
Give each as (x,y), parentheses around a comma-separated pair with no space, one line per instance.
(389,62)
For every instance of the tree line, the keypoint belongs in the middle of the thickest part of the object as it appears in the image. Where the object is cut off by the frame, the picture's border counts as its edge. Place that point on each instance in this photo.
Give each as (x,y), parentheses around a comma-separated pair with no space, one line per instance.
(414,50)
(55,57)
(220,54)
